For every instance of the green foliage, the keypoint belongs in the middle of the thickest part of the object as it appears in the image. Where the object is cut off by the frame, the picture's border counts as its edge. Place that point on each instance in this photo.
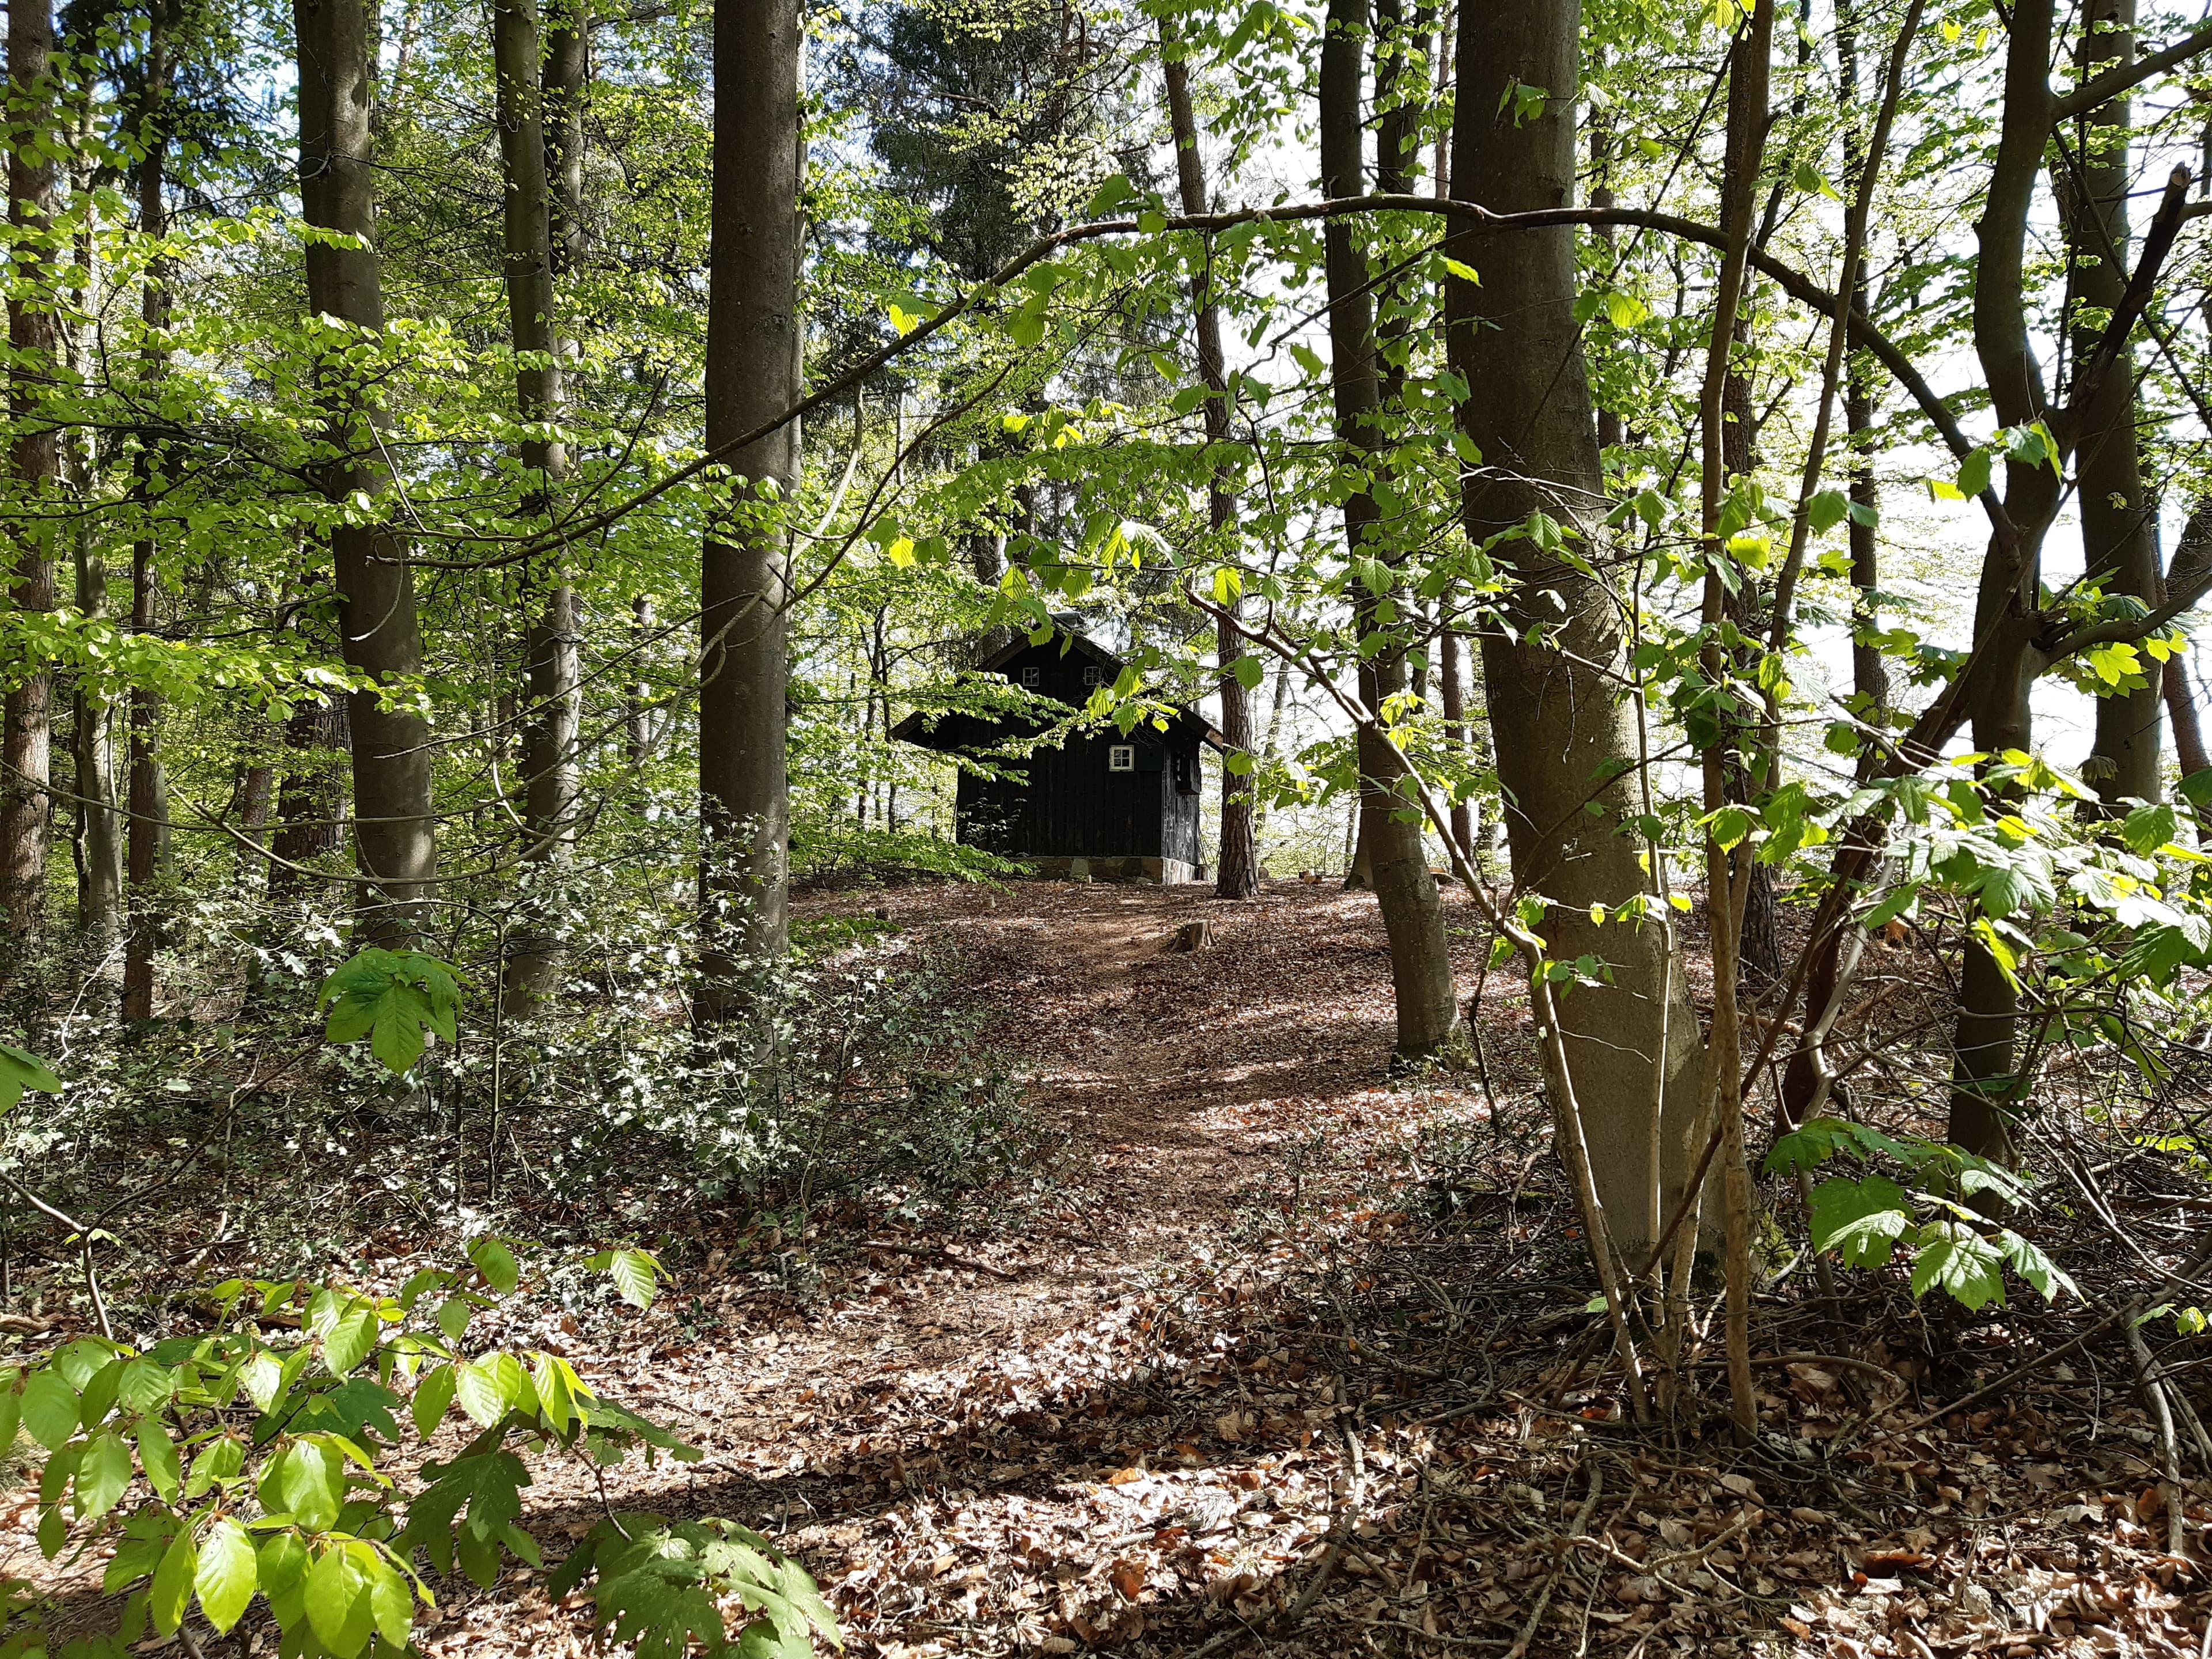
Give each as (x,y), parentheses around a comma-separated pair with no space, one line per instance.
(1947,1242)
(392,998)
(288,1499)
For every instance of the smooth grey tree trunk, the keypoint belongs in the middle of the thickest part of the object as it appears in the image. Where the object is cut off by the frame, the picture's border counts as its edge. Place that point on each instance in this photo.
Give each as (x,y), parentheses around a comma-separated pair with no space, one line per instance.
(753,362)
(35,457)
(394,832)
(550,644)
(1563,740)
(1397,866)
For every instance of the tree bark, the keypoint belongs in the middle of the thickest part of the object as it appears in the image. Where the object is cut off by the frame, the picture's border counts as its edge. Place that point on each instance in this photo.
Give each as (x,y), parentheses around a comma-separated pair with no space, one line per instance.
(310,795)
(1562,740)
(2118,521)
(2006,620)
(146,789)
(753,360)
(1869,674)
(550,646)
(34,335)
(1236,874)
(394,837)
(1429,1023)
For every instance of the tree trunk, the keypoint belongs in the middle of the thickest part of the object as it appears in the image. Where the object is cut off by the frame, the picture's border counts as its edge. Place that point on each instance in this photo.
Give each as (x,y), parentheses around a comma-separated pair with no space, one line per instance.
(1869,675)
(1429,1023)
(1562,739)
(146,787)
(753,362)
(310,797)
(98,848)
(1236,874)
(550,723)
(394,838)
(34,335)
(1453,688)
(2118,520)
(2006,621)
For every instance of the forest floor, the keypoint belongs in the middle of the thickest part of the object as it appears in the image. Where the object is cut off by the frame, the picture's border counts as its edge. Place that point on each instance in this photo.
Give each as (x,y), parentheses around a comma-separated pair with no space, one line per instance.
(1288,1357)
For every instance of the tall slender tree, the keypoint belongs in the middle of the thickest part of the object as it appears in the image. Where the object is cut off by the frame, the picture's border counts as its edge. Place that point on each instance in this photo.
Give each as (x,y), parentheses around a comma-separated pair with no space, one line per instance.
(394,832)
(35,458)
(1429,1023)
(146,793)
(552,700)
(1237,865)
(753,362)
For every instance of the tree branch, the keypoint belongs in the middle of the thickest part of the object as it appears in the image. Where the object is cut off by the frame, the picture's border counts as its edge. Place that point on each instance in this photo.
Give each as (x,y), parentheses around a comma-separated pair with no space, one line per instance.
(2103,88)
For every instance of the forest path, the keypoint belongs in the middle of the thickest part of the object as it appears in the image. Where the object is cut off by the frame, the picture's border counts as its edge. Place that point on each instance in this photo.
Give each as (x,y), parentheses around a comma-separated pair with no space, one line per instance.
(950,1431)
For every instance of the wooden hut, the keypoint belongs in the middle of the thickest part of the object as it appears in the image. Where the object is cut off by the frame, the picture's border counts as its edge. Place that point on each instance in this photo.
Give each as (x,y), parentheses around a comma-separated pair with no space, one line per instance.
(1100,805)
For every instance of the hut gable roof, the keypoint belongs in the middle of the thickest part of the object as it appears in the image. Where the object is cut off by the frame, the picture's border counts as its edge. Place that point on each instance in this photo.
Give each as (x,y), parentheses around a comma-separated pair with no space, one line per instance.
(960,732)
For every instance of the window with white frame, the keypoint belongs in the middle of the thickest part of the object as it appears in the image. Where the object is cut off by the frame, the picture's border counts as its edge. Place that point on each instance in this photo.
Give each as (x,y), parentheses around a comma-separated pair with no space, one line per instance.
(1121,757)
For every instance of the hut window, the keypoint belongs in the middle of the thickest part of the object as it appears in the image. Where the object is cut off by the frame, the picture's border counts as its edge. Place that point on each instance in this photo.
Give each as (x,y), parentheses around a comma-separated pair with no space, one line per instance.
(1033,676)
(1121,757)
(1094,677)
(1185,782)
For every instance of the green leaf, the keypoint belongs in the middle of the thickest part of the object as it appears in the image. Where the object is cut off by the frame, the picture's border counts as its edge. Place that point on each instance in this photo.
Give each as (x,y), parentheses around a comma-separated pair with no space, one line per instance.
(477,1388)
(221,1460)
(1974,474)
(1826,510)
(1624,310)
(495,1263)
(434,1393)
(228,1573)
(1806,177)
(159,1454)
(311,1489)
(172,1584)
(1109,195)
(392,998)
(633,1272)
(1966,1265)
(101,1475)
(390,1603)
(337,1603)
(1860,1220)
(1249,671)
(48,1409)
(348,1342)
(20,1069)
(2149,828)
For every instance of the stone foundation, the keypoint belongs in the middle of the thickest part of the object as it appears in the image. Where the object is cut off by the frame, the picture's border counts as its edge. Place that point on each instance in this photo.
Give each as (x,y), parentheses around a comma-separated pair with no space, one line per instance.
(1158,873)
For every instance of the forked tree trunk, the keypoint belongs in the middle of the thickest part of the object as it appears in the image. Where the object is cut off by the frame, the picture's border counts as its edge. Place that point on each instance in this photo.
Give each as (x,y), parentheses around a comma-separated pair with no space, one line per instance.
(1429,1023)
(1562,740)
(1236,875)
(2007,620)
(394,838)
(34,335)
(2118,520)
(753,359)
(550,646)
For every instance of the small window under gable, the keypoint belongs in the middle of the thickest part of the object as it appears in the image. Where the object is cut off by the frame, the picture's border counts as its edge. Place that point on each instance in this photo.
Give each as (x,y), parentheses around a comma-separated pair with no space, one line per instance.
(1094,676)
(1121,757)
(1032,676)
